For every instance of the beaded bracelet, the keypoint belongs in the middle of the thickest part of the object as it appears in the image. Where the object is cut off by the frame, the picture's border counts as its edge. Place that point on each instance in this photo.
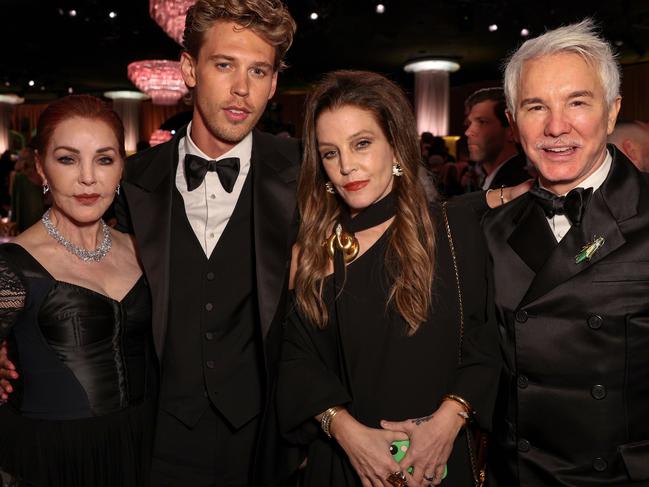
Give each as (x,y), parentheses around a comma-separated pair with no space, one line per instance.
(327,417)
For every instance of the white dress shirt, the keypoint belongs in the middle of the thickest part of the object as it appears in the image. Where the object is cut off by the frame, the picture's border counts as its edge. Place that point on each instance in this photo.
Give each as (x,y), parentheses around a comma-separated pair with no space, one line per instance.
(209,206)
(559,224)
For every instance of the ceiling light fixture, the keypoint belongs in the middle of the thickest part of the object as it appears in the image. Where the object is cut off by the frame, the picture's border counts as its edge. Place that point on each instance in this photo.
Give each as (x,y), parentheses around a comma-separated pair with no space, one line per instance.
(31,82)
(525,32)
(126,95)
(493,28)
(431,64)
(112,14)
(160,79)
(11,99)
(380,8)
(313,16)
(72,13)
(170,15)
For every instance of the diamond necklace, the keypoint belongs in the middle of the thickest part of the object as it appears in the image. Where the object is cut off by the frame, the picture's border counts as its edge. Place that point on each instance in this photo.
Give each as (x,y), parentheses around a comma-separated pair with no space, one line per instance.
(85,255)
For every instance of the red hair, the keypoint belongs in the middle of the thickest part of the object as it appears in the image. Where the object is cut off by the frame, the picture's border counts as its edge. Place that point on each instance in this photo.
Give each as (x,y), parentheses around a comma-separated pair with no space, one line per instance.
(81,106)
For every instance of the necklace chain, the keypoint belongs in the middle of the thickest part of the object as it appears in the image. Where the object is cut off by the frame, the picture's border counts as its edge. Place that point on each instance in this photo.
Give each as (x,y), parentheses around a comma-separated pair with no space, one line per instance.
(86,255)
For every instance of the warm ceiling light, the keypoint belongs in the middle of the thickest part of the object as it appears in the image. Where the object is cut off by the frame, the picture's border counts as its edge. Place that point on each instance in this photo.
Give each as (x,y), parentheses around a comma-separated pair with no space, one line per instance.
(70,90)
(11,99)
(493,28)
(112,14)
(431,64)
(160,79)
(72,13)
(525,32)
(380,8)
(126,95)
(170,15)
(313,16)
(31,82)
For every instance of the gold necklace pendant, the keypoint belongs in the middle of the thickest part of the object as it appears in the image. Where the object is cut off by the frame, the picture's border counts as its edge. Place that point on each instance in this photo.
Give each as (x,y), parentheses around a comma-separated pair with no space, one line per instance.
(343,241)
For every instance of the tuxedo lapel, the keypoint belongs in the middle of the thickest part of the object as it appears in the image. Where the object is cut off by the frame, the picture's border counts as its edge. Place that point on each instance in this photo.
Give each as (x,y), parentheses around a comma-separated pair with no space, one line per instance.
(532,238)
(616,201)
(274,186)
(148,194)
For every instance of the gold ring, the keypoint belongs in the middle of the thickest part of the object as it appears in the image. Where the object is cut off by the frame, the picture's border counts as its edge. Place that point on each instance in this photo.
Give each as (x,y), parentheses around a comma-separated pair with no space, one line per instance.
(397,479)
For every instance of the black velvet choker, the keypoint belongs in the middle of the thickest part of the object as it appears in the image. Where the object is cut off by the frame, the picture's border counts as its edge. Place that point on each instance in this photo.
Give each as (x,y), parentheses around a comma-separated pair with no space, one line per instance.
(343,241)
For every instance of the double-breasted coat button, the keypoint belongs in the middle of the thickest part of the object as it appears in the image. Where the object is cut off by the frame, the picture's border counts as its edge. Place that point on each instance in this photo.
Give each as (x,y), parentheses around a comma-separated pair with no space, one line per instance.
(521,316)
(209,335)
(595,322)
(523,446)
(522,381)
(210,276)
(210,364)
(209,306)
(598,392)
(599,464)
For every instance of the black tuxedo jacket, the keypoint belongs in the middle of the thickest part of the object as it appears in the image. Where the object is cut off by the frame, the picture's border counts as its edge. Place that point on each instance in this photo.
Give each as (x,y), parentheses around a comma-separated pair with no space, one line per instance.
(574,404)
(145,210)
(511,173)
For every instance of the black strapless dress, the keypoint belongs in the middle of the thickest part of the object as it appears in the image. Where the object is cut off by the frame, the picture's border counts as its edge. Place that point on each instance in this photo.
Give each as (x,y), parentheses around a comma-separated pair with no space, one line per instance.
(82,410)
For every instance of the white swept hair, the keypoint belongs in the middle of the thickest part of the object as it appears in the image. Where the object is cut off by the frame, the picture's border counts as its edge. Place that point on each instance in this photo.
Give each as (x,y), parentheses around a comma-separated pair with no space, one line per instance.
(582,39)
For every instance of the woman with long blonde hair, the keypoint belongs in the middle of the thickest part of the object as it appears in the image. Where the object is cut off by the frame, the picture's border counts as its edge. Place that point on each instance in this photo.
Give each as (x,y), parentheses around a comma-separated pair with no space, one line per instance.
(391,345)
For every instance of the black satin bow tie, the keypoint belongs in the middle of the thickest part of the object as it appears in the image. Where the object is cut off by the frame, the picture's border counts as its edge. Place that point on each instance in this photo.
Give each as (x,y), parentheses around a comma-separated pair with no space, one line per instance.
(572,205)
(196,168)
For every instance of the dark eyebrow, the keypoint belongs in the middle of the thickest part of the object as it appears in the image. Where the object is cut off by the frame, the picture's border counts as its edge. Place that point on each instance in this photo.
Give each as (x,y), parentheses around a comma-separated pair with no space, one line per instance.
(65,147)
(106,149)
(220,57)
(360,132)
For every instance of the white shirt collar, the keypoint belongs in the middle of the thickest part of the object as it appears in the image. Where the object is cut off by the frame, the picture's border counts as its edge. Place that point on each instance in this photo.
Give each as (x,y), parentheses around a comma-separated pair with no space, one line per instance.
(243,150)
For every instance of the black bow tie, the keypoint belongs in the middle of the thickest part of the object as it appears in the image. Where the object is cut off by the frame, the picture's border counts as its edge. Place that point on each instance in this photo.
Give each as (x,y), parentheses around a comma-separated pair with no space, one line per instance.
(196,168)
(572,205)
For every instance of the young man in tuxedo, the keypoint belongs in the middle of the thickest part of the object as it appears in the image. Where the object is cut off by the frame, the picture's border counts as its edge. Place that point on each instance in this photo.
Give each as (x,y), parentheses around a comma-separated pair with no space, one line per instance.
(212,211)
(572,277)
(490,140)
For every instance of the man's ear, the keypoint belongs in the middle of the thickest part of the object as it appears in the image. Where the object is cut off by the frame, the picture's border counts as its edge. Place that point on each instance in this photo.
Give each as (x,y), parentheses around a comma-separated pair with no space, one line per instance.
(188,69)
(630,150)
(513,127)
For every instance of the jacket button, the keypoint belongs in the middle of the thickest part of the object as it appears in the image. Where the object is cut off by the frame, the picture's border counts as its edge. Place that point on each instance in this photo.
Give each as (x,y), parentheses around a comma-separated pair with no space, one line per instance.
(210,276)
(210,364)
(209,306)
(209,335)
(523,446)
(598,392)
(595,322)
(521,316)
(522,381)
(599,464)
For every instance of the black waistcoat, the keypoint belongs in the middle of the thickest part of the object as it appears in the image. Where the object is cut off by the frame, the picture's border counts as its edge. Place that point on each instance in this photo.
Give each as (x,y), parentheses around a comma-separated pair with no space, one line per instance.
(212,349)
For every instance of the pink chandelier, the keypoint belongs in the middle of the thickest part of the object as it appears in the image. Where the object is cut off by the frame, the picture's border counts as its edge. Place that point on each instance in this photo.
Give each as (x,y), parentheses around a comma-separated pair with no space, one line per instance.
(160,79)
(170,15)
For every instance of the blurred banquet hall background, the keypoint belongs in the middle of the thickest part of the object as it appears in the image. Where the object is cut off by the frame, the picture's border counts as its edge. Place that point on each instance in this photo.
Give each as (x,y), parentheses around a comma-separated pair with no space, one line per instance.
(439,51)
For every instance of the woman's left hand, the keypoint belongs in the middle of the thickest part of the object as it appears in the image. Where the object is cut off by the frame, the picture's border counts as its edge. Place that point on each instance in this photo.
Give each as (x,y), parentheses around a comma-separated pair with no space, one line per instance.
(431,442)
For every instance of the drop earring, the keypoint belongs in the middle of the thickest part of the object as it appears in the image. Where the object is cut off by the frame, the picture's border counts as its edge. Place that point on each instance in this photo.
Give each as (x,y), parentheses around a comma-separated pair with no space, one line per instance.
(46,188)
(396,169)
(117,189)
(329,187)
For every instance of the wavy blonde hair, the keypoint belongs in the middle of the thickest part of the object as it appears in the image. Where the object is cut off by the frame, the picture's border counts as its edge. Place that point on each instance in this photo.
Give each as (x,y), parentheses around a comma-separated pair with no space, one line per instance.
(410,257)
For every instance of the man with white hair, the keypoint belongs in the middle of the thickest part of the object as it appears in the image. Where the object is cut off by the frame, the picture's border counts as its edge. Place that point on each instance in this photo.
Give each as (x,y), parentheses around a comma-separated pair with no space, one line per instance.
(572,277)
(632,138)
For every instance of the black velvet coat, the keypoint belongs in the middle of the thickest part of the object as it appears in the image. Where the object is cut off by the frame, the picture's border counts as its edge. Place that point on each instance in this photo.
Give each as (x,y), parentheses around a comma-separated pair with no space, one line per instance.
(574,402)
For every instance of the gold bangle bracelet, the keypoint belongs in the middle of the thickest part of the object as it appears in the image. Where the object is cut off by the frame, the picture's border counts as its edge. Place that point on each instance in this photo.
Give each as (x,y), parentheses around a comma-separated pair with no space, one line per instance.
(461,401)
(502,198)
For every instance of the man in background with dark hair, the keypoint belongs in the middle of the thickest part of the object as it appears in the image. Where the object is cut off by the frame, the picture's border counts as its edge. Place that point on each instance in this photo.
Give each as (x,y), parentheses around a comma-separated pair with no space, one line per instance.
(491,141)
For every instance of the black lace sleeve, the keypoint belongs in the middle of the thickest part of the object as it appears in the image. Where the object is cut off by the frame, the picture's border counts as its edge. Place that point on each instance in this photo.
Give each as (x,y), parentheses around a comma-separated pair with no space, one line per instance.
(12,297)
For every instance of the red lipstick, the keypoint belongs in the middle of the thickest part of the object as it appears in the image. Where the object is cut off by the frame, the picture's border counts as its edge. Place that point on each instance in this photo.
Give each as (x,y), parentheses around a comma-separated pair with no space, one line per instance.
(87,199)
(356,185)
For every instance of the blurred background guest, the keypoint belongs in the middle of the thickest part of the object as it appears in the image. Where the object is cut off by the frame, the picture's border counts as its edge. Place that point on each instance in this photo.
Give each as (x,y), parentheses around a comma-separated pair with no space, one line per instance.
(632,138)
(491,142)
(26,191)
